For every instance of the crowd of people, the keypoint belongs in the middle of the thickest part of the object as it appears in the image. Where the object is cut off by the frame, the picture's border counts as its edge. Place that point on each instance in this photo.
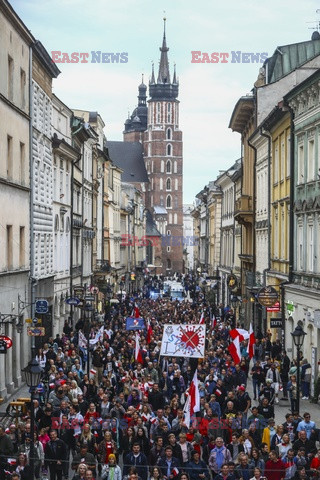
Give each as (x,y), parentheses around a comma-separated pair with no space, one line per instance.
(125,420)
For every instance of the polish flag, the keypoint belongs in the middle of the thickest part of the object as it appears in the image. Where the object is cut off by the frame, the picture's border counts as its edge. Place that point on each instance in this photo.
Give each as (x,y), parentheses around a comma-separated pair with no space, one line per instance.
(214,321)
(201,321)
(251,343)
(192,404)
(138,355)
(93,371)
(12,461)
(144,418)
(149,332)
(234,349)
(239,332)
(153,420)
(136,311)
(175,472)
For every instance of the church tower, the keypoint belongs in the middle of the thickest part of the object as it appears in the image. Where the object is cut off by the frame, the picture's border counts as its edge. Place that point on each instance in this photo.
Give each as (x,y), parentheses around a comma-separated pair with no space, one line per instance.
(162,142)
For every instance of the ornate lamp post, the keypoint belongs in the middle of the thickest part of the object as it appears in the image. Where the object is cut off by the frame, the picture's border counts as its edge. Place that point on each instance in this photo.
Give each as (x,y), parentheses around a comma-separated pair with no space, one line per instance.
(298,338)
(32,374)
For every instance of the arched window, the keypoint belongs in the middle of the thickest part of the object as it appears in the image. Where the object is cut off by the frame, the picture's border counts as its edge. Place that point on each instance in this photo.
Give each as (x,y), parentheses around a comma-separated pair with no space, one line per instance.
(168,184)
(161,184)
(158,112)
(169,201)
(170,218)
(169,149)
(169,232)
(169,134)
(162,166)
(176,184)
(168,166)
(169,117)
(175,166)
(175,219)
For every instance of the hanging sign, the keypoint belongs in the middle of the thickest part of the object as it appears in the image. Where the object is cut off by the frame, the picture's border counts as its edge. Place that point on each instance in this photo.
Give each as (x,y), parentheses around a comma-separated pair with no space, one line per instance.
(6,339)
(267,296)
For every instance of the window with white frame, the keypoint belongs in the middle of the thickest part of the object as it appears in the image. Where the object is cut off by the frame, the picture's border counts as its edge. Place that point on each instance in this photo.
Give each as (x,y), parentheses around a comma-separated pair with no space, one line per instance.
(162,166)
(282,157)
(276,233)
(168,184)
(300,247)
(158,112)
(168,202)
(168,167)
(288,157)
(310,249)
(176,184)
(169,133)
(276,164)
(161,184)
(169,149)
(310,175)
(175,166)
(300,178)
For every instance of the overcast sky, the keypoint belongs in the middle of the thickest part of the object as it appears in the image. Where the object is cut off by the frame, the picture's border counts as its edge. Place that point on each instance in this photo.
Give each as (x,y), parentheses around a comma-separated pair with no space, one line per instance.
(208,91)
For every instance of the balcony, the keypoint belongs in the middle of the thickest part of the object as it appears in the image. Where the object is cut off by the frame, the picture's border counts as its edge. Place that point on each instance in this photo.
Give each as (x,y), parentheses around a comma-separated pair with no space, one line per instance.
(102,267)
(243,211)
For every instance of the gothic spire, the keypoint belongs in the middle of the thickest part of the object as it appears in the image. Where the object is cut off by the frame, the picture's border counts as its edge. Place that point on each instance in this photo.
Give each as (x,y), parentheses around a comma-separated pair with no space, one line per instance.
(174,80)
(153,80)
(164,74)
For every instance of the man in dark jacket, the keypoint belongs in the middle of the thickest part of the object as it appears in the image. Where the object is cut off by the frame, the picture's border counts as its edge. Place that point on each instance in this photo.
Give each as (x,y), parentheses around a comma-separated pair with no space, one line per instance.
(284,373)
(6,449)
(156,398)
(169,464)
(197,468)
(55,456)
(138,460)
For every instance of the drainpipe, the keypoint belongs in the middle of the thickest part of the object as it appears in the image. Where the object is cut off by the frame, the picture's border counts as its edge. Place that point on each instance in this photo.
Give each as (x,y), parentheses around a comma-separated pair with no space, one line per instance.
(31,170)
(254,223)
(71,240)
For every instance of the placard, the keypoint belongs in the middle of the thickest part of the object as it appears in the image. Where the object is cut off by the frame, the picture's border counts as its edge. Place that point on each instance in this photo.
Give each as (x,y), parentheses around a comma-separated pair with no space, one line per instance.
(183,341)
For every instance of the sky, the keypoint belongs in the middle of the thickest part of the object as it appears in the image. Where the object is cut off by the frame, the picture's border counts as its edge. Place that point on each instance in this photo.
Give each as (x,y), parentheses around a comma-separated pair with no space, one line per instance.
(208,91)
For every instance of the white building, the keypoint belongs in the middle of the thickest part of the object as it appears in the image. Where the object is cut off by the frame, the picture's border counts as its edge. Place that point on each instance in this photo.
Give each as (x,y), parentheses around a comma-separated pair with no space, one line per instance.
(15,41)
(188,236)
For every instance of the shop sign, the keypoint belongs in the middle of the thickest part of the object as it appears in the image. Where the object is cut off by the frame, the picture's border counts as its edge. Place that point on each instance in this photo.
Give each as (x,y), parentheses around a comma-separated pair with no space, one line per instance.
(267,296)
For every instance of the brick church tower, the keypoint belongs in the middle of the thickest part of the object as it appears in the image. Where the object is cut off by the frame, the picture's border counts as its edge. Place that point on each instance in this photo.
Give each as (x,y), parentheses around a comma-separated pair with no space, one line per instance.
(155,123)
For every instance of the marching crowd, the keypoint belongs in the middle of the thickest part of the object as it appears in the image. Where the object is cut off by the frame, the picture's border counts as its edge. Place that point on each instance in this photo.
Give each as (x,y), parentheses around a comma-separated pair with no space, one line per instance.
(126,420)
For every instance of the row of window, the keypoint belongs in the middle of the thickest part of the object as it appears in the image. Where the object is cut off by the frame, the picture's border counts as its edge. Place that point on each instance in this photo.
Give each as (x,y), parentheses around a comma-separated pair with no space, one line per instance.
(169,163)
(308,168)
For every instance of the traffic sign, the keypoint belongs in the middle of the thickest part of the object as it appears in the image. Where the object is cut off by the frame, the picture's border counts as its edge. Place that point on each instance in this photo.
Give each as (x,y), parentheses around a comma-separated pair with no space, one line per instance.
(72,301)
(267,296)
(94,290)
(6,339)
(89,298)
(41,306)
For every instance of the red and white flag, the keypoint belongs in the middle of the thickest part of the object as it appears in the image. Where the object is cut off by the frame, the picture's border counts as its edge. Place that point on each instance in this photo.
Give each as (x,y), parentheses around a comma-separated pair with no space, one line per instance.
(214,321)
(251,342)
(192,404)
(234,349)
(149,332)
(138,355)
(239,332)
(153,420)
(175,471)
(136,311)
(93,371)
(12,461)
(201,321)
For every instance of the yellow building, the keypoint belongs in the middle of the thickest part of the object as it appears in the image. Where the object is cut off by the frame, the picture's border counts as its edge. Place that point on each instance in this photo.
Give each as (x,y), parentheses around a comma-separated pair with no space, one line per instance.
(243,122)
(278,125)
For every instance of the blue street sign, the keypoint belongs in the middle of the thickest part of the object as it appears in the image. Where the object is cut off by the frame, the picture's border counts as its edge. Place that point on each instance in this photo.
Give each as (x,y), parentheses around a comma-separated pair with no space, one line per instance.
(41,306)
(72,301)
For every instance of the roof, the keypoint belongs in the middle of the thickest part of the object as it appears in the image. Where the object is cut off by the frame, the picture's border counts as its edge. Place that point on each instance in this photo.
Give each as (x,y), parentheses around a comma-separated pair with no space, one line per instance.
(129,157)
(151,228)
(241,114)
(288,58)
(159,210)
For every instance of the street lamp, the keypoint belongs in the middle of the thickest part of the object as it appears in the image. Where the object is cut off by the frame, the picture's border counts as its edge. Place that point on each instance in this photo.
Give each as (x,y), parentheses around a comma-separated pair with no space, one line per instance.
(298,338)
(32,374)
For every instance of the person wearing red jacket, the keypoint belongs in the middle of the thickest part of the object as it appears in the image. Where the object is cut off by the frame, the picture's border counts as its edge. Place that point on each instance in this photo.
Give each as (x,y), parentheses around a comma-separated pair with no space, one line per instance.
(275,469)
